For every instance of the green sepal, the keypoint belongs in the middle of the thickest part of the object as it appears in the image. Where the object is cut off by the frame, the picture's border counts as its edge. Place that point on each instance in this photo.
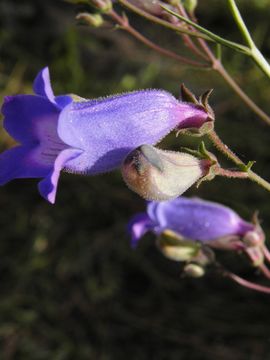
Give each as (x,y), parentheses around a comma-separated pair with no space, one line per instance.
(246,167)
(94,20)
(190,5)
(188,96)
(207,127)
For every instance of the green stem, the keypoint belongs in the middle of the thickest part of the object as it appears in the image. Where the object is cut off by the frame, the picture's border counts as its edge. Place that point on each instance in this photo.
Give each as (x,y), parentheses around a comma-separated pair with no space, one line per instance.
(255,53)
(260,60)
(252,51)
(236,160)
(211,35)
(240,23)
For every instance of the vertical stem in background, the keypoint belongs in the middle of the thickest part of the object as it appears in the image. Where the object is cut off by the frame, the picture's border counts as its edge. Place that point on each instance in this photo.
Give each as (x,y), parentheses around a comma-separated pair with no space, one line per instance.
(240,23)
(255,54)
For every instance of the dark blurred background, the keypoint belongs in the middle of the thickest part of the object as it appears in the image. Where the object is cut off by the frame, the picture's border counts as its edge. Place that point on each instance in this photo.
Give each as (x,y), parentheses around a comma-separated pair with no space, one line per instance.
(70,285)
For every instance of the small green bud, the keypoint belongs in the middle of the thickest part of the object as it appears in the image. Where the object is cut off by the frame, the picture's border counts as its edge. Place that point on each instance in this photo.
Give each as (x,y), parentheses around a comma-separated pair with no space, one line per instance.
(194,270)
(151,6)
(190,5)
(175,248)
(173,2)
(95,20)
(103,5)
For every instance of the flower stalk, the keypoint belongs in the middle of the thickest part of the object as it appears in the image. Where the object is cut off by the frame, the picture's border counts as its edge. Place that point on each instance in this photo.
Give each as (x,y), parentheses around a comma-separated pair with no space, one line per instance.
(215,139)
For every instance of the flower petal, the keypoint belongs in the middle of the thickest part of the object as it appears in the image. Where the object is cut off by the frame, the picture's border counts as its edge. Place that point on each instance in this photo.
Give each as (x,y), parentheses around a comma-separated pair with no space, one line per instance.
(107,129)
(138,226)
(63,100)
(48,186)
(25,114)
(20,162)
(42,84)
(197,219)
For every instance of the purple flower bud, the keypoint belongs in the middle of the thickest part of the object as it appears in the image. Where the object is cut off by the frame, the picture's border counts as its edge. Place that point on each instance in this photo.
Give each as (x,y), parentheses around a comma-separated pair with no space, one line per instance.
(161,175)
(84,136)
(193,219)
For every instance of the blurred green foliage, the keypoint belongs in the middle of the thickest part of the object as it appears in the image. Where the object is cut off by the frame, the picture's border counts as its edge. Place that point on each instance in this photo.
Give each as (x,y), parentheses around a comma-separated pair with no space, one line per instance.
(70,286)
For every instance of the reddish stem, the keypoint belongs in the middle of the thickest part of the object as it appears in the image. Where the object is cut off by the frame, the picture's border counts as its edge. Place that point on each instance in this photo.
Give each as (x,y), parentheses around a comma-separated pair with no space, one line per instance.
(247,284)
(231,174)
(123,22)
(188,41)
(266,253)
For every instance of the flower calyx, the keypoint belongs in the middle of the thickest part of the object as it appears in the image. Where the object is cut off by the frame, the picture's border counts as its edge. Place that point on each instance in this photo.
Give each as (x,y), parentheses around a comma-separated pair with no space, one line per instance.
(203,103)
(209,160)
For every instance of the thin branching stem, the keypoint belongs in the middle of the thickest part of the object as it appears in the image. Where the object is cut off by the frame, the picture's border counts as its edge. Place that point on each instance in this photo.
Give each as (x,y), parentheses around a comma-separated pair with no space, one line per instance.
(255,53)
(246,283)
(219,68)
(164,23)
(124,23)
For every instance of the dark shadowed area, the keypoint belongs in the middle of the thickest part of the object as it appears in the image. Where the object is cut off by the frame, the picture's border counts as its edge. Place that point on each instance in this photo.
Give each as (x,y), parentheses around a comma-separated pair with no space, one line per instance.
(71,287)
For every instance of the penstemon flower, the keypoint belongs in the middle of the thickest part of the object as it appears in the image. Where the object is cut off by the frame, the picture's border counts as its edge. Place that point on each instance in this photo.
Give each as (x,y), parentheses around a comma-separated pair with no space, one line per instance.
(196,220)
(85,136)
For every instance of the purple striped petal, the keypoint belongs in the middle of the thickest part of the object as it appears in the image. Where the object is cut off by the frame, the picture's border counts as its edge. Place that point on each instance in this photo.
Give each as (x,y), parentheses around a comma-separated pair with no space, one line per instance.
(21,162)
(42,85)
(48,186)
(26,116)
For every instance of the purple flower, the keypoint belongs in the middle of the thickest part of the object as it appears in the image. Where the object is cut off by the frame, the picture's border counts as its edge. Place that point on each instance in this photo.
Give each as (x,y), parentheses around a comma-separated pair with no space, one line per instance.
(86,136)
(195,220)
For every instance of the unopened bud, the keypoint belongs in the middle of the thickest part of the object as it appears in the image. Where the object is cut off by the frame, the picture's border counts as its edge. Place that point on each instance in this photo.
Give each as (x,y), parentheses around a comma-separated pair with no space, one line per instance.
(190,5)
(173,2)
(194,270)
(254,238)
(161,175)
(95,20)
(151,6)
(177,249)
(103,5)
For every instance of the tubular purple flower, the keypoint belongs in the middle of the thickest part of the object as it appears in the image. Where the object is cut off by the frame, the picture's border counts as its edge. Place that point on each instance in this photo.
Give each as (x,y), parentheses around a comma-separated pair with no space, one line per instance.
(195,220)
(86,136)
